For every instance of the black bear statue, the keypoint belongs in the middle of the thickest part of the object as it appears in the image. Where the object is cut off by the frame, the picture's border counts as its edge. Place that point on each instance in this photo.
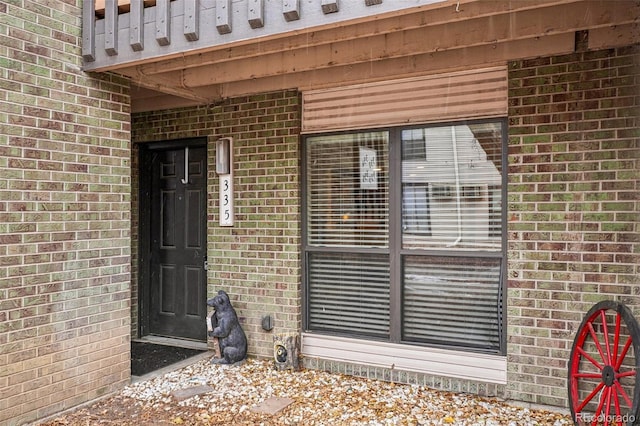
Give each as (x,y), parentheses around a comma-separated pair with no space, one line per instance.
(227,329)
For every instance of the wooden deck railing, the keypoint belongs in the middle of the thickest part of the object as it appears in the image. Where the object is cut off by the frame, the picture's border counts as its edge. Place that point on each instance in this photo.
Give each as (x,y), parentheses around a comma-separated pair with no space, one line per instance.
(123,6)
(172,27)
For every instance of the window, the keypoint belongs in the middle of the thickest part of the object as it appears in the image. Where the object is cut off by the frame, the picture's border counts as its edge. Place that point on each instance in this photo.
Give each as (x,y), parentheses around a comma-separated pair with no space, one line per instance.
(404,238)
(348,190)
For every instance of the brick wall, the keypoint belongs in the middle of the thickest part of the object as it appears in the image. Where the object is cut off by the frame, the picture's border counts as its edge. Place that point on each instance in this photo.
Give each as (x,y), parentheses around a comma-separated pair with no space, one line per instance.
(573,206)
(64,217)
(574,233)
(257,261)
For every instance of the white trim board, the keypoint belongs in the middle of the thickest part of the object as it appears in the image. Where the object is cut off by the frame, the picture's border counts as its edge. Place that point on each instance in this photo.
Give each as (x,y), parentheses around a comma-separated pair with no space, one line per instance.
(434,361)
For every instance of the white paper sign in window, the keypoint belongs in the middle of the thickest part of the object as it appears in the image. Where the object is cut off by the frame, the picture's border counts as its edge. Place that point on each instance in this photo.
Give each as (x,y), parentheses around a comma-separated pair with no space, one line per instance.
(368,169)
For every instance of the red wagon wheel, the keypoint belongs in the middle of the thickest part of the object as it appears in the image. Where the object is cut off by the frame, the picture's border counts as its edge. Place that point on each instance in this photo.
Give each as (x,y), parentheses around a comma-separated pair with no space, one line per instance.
(603,368)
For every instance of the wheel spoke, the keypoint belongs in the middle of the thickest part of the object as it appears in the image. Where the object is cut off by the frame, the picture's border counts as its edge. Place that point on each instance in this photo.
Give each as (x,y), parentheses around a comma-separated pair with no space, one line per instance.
(590,397)
(623,393)
(605,330)
(623,353)
(616,338)
(625,374)
(597,342)
(588,375)
(590,358)
(607,408)
(616,401)
(600,405)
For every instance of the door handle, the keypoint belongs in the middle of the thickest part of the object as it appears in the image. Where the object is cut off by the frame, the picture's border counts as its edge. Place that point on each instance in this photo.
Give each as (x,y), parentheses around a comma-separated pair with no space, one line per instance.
(186,166)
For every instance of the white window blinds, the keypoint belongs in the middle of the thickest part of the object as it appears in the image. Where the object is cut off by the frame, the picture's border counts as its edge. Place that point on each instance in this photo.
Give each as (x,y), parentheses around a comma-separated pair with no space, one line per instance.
(349,294)
(454,301)
(347,190)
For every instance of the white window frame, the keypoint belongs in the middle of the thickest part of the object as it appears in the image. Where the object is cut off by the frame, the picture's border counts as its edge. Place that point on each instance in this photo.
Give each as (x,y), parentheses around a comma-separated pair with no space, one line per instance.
(477,367)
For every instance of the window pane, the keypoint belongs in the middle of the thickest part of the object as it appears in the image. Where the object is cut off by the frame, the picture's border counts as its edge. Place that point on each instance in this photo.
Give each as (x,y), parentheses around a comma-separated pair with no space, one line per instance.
(452,301)
(451,187)
(415,209)
(349,293)
(347,190)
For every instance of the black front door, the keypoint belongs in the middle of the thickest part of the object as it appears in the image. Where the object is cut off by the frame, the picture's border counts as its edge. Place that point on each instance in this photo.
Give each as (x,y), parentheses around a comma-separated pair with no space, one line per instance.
(175,302)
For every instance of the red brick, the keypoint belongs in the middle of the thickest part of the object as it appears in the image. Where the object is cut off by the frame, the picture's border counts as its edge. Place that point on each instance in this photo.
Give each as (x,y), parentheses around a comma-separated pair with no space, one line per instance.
(596,256)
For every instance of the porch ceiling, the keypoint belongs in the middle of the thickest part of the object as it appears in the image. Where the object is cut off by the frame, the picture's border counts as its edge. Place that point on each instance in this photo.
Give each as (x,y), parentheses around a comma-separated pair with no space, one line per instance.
(438,37)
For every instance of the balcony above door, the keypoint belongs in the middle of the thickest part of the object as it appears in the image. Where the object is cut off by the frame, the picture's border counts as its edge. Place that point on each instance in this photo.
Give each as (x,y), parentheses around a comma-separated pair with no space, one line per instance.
(117,32)
(197,52)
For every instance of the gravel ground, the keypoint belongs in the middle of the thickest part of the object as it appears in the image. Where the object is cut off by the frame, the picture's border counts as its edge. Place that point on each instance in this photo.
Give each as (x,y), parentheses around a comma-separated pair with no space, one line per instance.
(234,395)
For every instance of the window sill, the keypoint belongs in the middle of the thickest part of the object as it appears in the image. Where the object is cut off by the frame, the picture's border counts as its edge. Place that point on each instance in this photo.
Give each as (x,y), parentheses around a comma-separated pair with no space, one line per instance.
(435,361)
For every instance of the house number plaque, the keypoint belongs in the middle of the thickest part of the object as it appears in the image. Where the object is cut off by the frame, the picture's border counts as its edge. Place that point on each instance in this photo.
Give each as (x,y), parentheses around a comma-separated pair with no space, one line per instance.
(224,168)
(226,200)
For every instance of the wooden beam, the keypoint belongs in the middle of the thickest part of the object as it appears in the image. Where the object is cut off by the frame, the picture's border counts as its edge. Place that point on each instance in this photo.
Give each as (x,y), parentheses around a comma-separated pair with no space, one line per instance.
(192,20)
(88,33)
(159,102)
(614,36)
(223,16)
(255,13)
(291,10)
(389,24)
(136,26)
(144,93)
(111,27)
(391,68)
(429,39)
(329,6)
(421,64)
(169,86)
(386,48)
(163,22)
